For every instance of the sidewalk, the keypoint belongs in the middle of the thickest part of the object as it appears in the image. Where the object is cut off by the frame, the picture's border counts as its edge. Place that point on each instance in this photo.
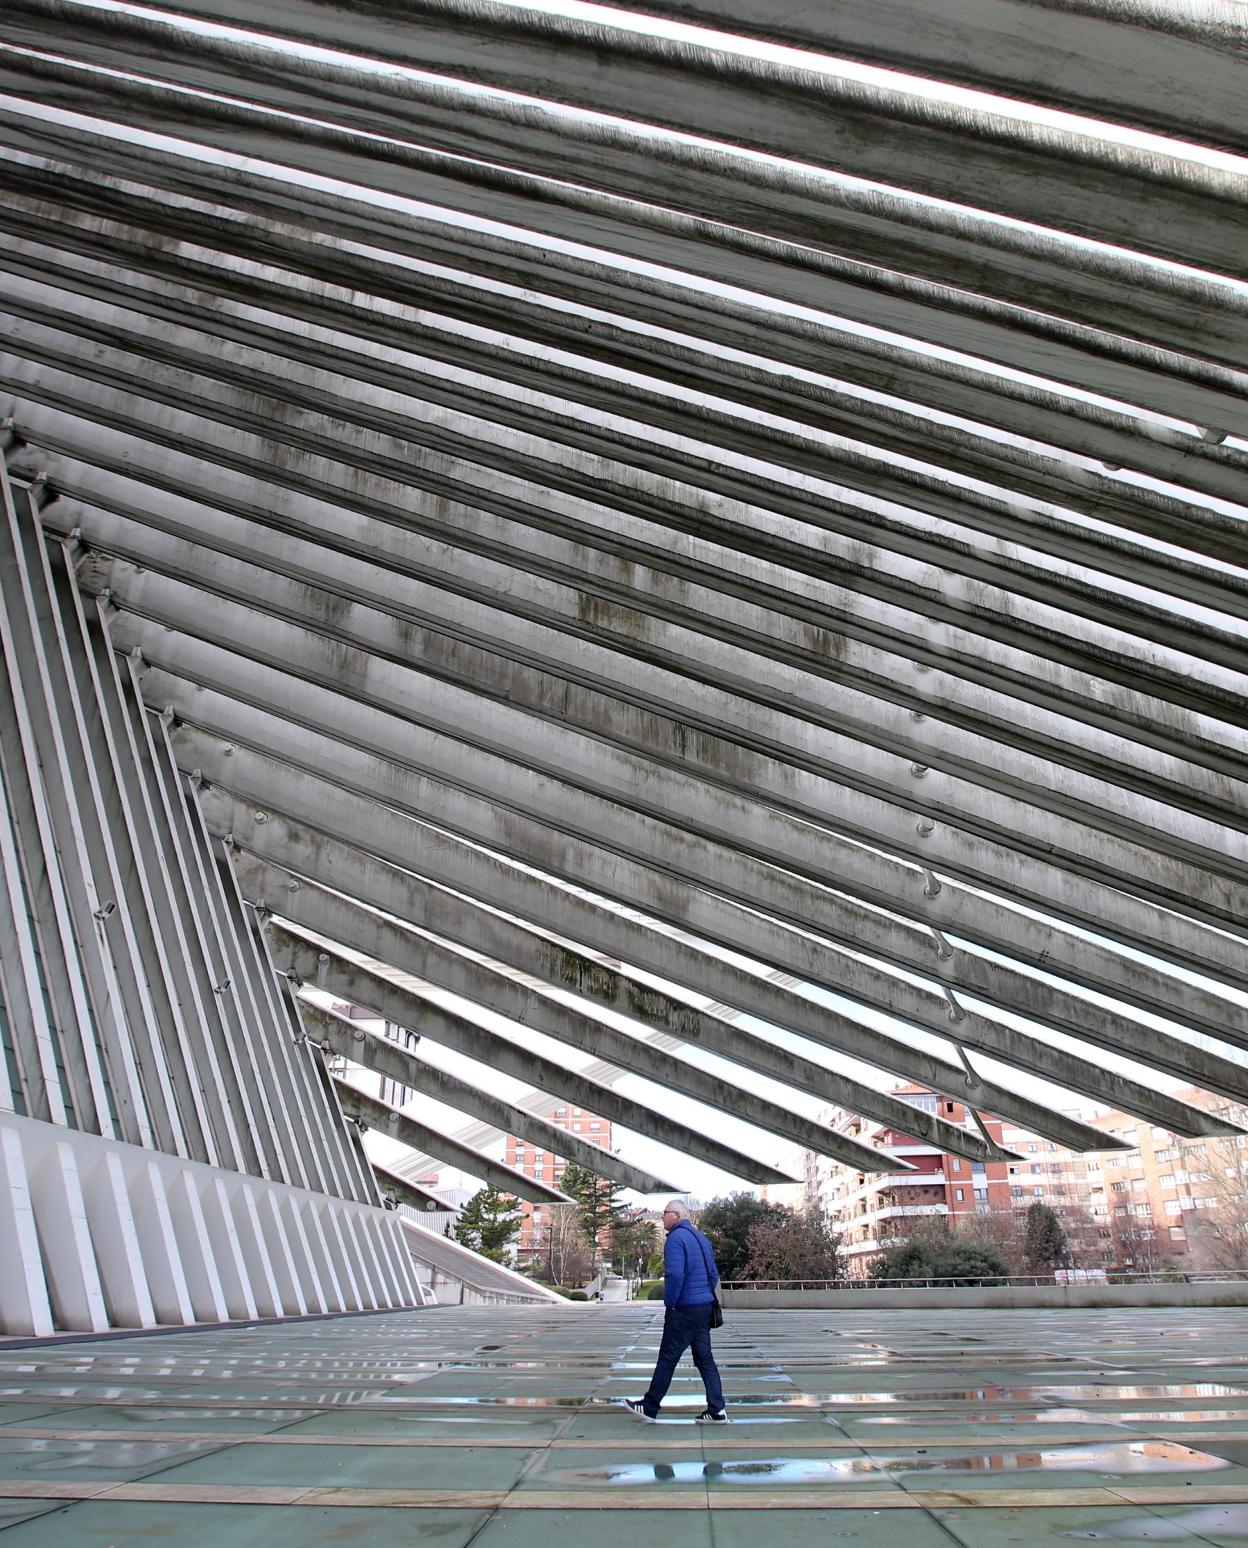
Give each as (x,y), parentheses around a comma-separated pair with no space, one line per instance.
(499,1427)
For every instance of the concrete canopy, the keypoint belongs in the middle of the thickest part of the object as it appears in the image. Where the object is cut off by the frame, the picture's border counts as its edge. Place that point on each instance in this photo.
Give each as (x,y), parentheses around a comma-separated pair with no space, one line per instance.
(752,534)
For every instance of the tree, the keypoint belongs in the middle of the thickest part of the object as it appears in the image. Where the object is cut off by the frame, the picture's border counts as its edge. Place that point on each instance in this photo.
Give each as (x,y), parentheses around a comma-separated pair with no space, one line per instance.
(940,1256)
(567,1255)
(1217,1225)
(489,1223)
(600,1210)
(727,1221)
(632,1243)
(1044,1242)
(795,1244)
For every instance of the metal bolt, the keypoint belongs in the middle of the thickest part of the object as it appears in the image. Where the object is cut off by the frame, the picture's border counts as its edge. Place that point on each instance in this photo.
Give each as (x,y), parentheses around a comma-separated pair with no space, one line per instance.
(260,817)
(925,827)
(918,770)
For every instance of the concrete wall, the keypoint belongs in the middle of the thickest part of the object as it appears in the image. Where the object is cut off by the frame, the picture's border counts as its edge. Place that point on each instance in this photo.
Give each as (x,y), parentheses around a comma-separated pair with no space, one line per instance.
(1216,1293)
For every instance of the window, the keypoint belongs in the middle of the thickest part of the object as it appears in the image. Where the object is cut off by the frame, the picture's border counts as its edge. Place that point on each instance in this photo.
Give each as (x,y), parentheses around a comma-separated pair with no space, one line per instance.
(958,1194)
(1141,1209)
(1016,1193)
(1033,1147)
(595,1125)
(957,1164)
(1039,1192)
(561,1112)
(1172,1206)
(1177,1233)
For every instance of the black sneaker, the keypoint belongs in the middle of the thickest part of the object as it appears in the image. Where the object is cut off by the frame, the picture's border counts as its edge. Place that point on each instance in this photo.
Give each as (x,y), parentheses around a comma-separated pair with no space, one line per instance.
(638,1409)
(710,1416)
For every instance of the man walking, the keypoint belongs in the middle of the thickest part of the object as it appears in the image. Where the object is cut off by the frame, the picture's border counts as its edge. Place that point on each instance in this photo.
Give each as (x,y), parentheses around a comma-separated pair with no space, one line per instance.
(690,1279)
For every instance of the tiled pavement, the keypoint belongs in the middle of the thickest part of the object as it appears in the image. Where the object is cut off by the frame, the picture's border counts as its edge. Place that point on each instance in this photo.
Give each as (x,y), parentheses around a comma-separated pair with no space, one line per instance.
(501,1428)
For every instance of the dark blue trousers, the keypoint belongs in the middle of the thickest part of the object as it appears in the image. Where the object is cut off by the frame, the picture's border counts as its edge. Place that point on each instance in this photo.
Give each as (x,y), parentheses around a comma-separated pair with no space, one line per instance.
(685,1327)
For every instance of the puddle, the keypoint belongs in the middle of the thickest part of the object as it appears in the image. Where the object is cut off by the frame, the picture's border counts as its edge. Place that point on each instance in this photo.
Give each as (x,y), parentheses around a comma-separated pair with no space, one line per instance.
(1016,1416)
(770,1470)
(1219,1523)
(1112,1457)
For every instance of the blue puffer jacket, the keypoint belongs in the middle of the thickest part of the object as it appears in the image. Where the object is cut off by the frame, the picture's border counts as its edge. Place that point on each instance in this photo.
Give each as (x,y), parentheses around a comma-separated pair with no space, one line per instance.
(687,1257)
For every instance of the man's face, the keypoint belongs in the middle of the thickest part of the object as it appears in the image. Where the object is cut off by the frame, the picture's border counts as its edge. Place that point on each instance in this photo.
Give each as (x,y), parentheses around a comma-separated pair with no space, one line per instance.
(670,1217)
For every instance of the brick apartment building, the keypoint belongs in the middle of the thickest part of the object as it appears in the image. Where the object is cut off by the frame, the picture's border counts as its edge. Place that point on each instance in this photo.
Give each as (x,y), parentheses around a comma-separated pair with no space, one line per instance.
(544,1166)
(870,1210)
(1124,1209)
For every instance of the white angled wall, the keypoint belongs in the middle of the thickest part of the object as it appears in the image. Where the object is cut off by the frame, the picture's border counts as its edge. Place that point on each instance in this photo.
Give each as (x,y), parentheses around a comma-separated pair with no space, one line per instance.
(98,1234)
(172,1149)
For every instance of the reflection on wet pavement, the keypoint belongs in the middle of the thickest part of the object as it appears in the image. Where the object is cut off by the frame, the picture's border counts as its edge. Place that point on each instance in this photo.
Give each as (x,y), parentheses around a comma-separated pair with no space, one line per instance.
(463,1410)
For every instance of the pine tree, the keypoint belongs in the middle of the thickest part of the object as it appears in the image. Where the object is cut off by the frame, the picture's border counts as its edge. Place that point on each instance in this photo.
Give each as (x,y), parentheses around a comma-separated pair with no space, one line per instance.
(1044,1243)
(488,1223)
(597,1199)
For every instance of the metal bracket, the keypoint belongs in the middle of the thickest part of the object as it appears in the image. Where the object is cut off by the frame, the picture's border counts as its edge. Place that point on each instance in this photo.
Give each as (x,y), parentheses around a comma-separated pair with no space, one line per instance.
(943,949)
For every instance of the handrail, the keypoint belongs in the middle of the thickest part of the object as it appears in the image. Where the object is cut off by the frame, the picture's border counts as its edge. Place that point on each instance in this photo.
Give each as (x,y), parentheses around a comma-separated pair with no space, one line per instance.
(931,1282)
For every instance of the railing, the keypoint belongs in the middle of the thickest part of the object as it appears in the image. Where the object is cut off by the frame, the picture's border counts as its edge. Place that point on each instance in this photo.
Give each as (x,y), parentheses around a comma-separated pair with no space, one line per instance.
(1008,1281)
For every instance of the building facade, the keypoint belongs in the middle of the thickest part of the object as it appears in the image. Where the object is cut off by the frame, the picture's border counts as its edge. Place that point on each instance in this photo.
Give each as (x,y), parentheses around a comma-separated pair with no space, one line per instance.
(872,1210)
(1125,1209)
(541,1164)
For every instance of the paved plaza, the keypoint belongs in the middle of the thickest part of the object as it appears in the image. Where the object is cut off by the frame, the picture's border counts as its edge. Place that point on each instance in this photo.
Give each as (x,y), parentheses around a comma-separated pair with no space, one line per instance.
(501,1428)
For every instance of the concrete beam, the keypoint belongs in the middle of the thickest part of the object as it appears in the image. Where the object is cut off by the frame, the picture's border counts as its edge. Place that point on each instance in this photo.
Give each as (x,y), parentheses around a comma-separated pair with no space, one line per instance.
(355,820)
(1049,176)
(563,969)
(755,747)
(689,621)
(1028,494)
(1098,361)
(409,1131)
(1180,75)
(586,788)
(770,590)
(873,529)
(493,986)
(352,1041)
(365,931)
(481,279)
(391,1186)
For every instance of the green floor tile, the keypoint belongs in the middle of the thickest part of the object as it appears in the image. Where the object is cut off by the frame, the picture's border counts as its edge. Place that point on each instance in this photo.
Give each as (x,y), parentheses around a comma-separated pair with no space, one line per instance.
(101,1524)
(90,1461)
(578,1529)
(1049,1527)
(829,1528)
(365,1467)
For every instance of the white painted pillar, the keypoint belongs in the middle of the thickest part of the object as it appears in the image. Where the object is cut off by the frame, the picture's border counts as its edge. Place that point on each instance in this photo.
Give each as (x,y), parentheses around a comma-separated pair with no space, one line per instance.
(161,1256)
(116,1239)
(285,1269)
(195,1251)
(61,1218)
(227,1251)
(253,1238)
(24,1304)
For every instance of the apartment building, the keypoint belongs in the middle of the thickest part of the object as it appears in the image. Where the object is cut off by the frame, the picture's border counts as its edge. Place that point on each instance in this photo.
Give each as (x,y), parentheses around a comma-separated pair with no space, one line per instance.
(544,1166)
(1122,1209)
(871,1210)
